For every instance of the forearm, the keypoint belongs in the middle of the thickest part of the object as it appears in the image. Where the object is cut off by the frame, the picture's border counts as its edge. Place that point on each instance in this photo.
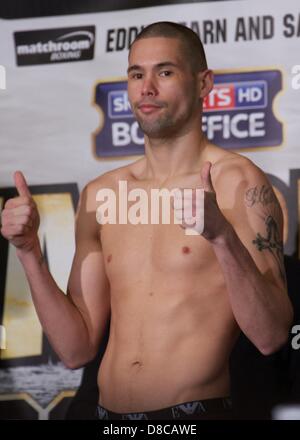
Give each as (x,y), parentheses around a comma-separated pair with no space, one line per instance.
(261,310)
(59,317)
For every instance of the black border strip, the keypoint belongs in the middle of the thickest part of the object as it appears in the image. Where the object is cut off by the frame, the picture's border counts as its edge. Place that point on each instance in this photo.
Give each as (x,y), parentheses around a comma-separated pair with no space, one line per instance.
(14,9)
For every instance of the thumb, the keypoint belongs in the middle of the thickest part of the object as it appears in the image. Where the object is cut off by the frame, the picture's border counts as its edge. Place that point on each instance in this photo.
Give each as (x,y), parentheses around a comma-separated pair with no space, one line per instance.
(206,177)
(21,184)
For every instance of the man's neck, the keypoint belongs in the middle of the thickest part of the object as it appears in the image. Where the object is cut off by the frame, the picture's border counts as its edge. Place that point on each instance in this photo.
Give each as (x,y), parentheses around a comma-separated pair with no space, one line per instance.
(167,158)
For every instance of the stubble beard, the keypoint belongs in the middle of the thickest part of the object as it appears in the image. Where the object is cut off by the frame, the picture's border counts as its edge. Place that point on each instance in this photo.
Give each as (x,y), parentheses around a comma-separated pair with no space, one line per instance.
(164,126)
(159,128)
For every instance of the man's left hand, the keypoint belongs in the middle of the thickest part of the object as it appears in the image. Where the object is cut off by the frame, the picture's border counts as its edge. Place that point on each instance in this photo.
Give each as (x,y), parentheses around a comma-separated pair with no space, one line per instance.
(208,218)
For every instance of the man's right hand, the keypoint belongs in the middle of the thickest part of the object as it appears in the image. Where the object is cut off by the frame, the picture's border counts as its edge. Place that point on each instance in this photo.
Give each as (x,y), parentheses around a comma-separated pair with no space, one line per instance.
(20,218)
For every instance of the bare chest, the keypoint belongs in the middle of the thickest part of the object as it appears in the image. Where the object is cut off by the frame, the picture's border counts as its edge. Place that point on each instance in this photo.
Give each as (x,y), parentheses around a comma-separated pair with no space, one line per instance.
(143,240)
(131,251)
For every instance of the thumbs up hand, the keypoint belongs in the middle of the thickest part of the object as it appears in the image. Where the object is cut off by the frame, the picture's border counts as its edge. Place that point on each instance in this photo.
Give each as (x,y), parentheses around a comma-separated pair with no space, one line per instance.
(20,218)
(21,184)
(210,222)
(215,224)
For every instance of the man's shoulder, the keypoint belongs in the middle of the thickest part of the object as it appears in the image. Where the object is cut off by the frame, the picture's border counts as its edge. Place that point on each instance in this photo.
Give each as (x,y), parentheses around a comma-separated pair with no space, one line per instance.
(110,179)
(234,169)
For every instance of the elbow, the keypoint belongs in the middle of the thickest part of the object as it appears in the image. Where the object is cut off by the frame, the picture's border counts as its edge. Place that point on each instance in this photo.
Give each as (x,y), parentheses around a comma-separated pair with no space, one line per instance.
(274,344)
(267,350)
(73,365)
(281,337)
(78,361)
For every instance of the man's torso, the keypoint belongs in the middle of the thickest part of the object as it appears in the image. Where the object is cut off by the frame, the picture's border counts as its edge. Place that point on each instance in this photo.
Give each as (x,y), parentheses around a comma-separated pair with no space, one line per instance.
(172,327)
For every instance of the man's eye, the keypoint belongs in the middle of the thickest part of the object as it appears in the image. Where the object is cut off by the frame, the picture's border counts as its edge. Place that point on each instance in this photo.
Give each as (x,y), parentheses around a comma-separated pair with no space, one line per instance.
(136,75)
(165,73)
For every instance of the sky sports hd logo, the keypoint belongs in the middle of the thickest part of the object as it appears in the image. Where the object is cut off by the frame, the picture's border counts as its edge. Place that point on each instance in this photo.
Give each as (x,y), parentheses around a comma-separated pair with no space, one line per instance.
(59,45)
(238,114)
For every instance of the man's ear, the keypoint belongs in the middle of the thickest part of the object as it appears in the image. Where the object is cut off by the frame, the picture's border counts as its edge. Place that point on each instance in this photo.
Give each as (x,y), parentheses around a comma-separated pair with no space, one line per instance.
(206,82)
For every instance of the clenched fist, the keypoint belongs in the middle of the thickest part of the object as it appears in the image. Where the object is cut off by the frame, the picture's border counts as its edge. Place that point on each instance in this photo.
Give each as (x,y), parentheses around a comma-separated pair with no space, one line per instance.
(198,211)
(20,218)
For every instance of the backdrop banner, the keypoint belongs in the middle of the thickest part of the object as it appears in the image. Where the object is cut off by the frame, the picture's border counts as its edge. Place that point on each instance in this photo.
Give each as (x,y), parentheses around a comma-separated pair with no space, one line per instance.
(65,119)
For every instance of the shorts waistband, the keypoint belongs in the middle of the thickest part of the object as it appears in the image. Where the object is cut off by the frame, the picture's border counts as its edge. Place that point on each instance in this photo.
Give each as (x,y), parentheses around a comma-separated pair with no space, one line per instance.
(195,408)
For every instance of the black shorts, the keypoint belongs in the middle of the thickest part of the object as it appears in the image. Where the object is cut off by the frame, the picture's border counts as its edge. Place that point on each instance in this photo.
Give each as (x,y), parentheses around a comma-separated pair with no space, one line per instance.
(209,409)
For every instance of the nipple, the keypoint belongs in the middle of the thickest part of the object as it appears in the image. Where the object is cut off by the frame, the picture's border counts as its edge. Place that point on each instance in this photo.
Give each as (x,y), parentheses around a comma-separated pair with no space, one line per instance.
(186,250)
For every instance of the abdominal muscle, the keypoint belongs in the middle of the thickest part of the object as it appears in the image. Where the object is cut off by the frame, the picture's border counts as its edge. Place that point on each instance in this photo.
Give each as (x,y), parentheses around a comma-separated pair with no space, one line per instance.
(165,349)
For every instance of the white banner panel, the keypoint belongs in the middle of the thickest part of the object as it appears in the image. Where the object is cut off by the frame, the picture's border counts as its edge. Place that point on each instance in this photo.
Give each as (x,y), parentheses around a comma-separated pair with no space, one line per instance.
(65,117)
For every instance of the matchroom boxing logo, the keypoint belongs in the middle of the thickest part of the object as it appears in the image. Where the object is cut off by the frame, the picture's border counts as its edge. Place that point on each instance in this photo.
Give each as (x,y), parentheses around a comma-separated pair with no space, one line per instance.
(54,45)
(239,113)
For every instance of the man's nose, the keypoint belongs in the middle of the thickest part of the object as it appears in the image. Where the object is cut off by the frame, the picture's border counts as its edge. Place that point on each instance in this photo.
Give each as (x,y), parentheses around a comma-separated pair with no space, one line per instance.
(149,87)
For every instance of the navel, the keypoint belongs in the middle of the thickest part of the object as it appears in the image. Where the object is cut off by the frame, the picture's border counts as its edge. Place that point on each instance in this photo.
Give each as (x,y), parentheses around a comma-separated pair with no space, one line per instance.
(137,364)
(109,258)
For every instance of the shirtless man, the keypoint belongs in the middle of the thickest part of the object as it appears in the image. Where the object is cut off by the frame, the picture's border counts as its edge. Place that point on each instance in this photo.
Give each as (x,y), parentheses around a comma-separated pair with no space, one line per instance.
(176,302)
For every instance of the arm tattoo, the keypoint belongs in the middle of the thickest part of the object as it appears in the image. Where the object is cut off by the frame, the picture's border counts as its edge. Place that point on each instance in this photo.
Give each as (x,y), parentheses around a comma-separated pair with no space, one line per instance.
(263,196)
(272,242)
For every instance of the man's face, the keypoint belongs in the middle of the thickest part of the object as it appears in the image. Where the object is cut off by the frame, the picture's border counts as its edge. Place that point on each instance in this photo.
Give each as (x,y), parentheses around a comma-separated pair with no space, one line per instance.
(162,90)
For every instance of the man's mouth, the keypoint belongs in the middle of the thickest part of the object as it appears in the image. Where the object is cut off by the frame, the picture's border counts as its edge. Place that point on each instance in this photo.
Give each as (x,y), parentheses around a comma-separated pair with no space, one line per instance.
(148,108)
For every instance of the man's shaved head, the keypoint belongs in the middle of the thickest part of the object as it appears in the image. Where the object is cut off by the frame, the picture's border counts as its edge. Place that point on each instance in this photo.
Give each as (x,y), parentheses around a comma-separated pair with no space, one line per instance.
(191,44)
